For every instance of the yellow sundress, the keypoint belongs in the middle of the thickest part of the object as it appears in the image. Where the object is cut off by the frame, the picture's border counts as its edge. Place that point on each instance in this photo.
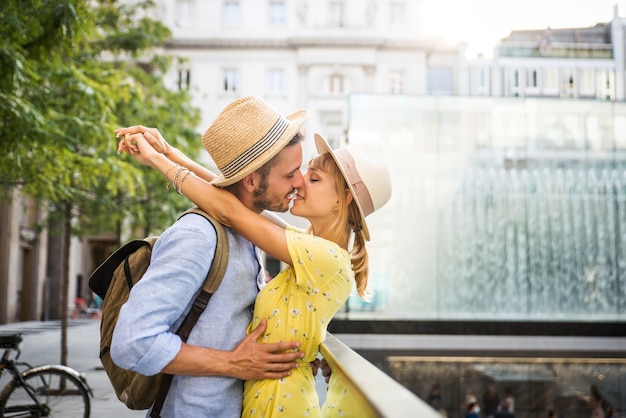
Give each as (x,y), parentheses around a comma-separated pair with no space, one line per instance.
(298,305)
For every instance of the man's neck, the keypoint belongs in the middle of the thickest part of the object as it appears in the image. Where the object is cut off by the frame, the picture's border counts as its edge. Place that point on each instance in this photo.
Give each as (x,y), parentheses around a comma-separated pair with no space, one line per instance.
(243,195)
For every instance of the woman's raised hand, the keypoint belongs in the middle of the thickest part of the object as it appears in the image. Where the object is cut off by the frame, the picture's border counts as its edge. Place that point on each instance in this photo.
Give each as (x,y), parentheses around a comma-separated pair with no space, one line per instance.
(140,146)
(152,135)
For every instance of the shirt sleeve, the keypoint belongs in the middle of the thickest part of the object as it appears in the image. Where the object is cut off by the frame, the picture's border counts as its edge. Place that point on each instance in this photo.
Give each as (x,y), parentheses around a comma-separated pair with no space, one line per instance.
(144,339)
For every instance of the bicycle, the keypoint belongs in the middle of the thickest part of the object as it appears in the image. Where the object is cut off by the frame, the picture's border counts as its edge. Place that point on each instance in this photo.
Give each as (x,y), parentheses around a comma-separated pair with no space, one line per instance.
(42,391)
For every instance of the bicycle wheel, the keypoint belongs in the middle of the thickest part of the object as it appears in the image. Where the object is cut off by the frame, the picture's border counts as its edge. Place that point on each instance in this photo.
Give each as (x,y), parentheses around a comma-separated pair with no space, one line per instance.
(48,391)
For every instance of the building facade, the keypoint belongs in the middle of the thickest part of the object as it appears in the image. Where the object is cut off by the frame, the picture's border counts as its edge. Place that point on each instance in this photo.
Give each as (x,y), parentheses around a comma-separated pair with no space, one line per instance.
(304,54)
(579,63)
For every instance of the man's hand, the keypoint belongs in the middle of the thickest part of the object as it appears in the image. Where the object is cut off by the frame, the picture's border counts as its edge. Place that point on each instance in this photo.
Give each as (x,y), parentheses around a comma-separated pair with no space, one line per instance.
(252,360)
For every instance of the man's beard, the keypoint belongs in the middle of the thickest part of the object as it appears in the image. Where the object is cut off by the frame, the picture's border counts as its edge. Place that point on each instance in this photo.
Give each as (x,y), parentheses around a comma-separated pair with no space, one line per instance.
(263,200)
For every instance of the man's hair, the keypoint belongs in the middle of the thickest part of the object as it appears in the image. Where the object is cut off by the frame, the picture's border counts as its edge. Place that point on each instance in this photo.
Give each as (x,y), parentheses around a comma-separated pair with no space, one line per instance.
(264,170)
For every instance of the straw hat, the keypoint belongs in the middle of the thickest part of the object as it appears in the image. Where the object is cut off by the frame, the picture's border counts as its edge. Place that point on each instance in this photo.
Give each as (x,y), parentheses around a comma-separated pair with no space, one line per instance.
(246,135)
(368,179)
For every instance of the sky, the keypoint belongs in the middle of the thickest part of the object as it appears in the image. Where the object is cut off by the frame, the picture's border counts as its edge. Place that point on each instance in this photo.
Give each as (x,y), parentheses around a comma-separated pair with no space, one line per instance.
(482,23)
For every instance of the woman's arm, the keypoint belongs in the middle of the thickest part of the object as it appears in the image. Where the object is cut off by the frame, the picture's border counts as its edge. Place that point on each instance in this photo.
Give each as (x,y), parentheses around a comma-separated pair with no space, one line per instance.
(154,138)
(219,203)
(275,219)
(199,170)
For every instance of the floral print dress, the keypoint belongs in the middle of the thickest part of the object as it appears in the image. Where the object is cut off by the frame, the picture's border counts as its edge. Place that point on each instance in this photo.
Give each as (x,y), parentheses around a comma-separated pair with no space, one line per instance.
(298,305)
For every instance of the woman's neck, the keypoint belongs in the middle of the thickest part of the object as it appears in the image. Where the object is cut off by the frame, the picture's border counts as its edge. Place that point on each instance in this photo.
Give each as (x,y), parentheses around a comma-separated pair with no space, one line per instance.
(328,232)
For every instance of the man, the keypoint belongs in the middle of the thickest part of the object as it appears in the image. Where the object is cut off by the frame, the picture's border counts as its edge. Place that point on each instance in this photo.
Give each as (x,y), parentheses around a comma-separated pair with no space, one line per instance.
(259,154)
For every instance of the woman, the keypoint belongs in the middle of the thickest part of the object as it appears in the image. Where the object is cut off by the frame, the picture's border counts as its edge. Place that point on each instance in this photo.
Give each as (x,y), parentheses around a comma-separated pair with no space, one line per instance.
(341,188)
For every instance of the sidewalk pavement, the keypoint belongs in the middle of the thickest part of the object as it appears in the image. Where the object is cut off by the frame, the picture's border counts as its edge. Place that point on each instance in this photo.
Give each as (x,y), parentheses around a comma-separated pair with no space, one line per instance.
(42,345)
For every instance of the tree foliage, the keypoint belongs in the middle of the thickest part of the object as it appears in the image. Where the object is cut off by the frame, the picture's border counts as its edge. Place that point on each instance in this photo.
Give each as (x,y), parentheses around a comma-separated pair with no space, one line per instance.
(71,72)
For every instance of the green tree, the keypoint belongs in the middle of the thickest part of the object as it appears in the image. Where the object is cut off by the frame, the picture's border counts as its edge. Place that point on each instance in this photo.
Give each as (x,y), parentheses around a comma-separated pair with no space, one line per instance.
(72,71)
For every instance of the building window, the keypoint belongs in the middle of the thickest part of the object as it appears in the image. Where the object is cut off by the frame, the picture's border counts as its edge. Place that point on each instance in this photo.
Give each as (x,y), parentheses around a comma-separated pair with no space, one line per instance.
(551,81)
(439,80)
(231,13)
(332,126)
(605,85)
(335,14)
(481,81)
(568,88)
(396,82)
(335,84)
(184,11)
(512,82)
(276,13)
(229,80)
(184,77)
(587,82)
(276,81)
(531,78)
(397,12)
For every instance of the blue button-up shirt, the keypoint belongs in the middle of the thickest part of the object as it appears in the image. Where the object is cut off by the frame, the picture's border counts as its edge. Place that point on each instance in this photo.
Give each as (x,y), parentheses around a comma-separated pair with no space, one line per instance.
(144,339)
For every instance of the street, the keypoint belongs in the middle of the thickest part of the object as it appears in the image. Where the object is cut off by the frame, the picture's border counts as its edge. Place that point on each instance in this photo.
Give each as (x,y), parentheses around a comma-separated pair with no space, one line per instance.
(42,345)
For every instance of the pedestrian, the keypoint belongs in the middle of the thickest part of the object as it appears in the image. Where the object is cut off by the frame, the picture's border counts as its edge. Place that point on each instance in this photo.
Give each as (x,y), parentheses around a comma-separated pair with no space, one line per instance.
(596,402)
(434,396)
(210,368)
(434,399)
(510,400)
(473,409)
(504,410)
(341,187)
(491,400)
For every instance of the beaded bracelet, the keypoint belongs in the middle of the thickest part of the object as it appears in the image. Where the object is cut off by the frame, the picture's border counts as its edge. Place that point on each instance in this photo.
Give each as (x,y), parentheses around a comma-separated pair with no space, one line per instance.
(167,179)
(176,175)
(179,189)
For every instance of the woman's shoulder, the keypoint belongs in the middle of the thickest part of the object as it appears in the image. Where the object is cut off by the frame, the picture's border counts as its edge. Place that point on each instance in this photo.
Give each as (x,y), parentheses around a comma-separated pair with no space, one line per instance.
(318,262)
(299,236)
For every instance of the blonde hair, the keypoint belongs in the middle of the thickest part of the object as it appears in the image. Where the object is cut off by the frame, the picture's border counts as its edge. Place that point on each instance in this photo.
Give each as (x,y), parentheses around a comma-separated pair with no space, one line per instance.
(348,220)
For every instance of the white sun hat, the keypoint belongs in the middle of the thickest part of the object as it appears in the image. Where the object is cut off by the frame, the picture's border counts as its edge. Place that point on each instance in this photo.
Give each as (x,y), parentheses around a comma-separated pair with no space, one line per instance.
(367,177)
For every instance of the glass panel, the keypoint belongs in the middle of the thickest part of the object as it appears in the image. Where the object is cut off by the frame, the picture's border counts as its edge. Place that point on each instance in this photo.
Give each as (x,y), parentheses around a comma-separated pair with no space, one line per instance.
(500,208)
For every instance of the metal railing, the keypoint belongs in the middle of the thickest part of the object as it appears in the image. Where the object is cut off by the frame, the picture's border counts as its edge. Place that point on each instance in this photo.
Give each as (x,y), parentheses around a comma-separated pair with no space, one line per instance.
(358,388)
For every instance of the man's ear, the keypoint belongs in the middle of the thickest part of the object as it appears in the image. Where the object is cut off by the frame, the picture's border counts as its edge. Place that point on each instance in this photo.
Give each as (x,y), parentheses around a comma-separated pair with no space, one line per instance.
(251,181)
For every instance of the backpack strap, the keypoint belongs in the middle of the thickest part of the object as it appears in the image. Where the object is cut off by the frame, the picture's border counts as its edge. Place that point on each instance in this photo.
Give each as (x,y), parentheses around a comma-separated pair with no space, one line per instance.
(211,283)
(213,279)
